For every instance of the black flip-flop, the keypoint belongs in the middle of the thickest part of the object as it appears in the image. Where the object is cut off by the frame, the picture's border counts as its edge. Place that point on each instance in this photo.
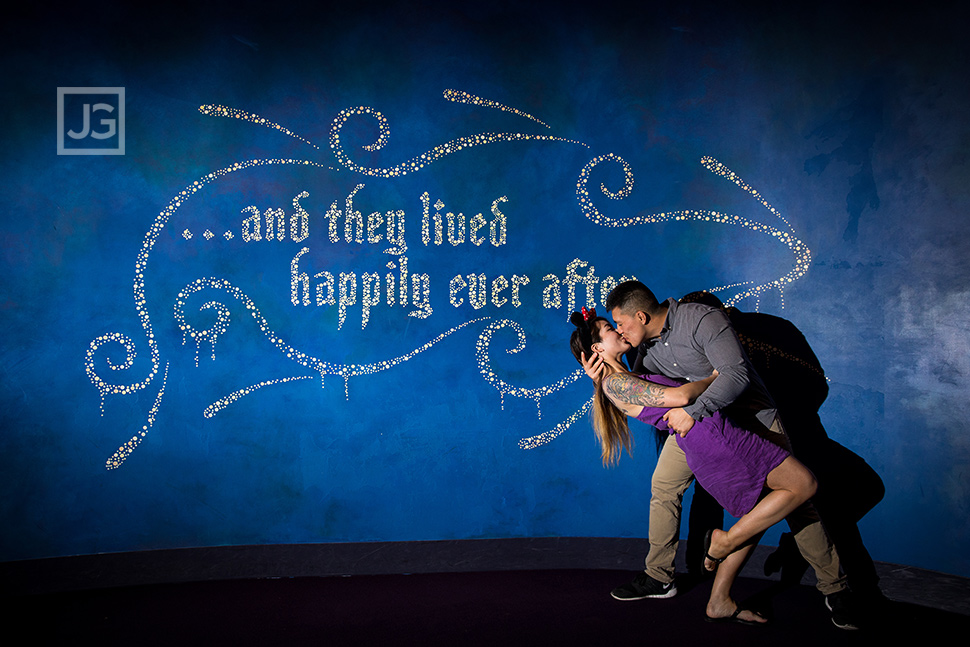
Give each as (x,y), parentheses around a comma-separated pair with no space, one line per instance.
(707,553)
(733,618)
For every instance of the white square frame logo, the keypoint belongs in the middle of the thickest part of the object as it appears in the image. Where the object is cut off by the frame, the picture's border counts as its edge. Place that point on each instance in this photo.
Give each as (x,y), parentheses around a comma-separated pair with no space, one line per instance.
(109,126)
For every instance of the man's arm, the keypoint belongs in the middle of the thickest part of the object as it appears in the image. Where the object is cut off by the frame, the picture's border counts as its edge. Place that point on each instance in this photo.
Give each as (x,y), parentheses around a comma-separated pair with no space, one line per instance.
(679,421)
(718,341)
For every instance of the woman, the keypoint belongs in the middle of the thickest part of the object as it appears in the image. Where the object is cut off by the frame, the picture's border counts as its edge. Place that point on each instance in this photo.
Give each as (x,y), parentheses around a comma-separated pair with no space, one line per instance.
(752,478)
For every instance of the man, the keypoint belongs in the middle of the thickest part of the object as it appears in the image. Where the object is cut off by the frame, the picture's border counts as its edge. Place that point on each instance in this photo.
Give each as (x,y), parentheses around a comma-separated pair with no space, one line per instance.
(848,486)
(691,341)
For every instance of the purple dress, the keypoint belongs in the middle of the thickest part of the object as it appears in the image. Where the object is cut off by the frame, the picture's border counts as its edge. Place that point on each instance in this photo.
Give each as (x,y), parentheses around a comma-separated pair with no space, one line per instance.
(731,463)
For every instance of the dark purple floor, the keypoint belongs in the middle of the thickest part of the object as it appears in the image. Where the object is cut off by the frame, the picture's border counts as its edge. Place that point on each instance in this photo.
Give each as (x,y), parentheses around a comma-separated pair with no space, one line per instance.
(553,607)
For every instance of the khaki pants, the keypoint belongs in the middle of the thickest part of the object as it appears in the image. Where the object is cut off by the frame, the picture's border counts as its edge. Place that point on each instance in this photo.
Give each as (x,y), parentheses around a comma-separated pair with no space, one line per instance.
(671,479)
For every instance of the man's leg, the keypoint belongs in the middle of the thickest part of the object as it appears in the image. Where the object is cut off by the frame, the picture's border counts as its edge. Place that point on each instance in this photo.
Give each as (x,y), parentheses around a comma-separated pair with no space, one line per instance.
(848,489)
(814,545)
(817,549)
(671,478)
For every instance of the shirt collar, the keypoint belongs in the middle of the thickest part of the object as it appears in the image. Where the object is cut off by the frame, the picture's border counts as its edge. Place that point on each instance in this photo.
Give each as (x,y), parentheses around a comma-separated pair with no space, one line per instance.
(668,323)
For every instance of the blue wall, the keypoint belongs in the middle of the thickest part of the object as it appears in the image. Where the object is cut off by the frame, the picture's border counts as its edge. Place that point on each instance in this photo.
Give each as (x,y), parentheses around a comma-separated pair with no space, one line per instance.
(162,389)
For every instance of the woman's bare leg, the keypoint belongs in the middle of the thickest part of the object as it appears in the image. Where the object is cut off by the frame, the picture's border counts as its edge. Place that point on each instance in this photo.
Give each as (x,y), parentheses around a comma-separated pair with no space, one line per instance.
(791,484)
(721,604)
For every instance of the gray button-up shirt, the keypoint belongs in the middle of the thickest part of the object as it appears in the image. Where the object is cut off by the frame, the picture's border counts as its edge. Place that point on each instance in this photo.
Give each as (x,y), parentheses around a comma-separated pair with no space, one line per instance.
(696,340)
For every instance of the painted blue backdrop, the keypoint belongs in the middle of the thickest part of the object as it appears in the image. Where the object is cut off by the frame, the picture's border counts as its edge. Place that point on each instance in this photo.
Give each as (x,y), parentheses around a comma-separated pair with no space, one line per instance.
(323,294)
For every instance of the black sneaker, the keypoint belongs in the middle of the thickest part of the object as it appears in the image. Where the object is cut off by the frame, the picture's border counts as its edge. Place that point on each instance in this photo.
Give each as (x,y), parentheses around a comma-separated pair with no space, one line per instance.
(643,586)
(840,605)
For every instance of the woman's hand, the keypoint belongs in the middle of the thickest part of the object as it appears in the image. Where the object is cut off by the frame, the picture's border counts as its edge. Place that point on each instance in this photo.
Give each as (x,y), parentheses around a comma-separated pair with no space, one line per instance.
(593,366)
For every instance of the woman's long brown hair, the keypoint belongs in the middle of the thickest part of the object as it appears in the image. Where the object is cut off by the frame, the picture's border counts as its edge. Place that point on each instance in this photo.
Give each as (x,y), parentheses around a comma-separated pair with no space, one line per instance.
(609,423)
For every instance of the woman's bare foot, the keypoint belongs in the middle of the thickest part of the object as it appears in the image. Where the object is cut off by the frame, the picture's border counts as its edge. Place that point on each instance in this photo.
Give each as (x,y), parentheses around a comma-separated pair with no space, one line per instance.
(729,611)
(712,555)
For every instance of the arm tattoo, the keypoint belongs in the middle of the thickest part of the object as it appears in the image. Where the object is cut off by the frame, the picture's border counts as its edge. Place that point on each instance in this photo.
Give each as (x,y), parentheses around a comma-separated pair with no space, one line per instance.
(633,390)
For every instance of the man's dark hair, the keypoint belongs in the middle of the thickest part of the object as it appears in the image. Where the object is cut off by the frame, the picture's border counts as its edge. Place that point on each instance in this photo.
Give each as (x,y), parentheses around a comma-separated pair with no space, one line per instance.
(632,296)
